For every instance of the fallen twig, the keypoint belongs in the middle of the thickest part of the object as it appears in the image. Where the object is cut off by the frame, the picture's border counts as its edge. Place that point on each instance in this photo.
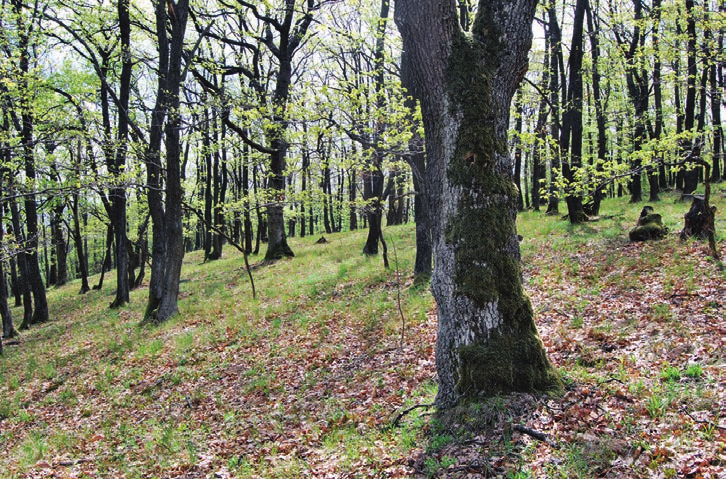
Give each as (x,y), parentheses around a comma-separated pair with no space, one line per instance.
(540,436)
(406,411)
(702,421)
(74,462)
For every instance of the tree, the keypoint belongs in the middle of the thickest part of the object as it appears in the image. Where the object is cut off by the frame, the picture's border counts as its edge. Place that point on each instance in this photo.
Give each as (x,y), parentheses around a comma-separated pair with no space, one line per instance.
(168,232)
(571,134)
(22,115)
(487,340)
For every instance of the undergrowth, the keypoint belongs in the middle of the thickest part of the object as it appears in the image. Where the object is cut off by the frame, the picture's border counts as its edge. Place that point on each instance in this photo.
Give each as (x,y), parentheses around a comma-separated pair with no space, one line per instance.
(306,380)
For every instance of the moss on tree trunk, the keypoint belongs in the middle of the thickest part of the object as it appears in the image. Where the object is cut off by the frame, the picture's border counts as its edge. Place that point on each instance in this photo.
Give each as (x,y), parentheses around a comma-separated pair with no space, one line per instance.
(487,341)
(510,356)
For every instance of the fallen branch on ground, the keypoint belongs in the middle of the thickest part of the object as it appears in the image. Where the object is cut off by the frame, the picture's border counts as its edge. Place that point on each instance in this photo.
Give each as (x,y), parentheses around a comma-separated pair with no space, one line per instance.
(540,436)
(400,416)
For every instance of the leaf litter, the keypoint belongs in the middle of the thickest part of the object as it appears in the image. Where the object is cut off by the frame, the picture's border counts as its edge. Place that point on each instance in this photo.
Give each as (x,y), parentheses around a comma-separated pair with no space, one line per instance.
(638,339)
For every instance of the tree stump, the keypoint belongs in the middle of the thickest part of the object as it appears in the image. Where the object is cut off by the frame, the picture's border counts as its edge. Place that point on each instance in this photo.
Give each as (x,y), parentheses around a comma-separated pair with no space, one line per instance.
(649,227)
(699,220)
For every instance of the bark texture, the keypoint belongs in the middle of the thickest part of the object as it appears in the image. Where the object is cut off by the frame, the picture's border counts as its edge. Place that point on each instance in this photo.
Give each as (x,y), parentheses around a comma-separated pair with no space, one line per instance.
(487,341)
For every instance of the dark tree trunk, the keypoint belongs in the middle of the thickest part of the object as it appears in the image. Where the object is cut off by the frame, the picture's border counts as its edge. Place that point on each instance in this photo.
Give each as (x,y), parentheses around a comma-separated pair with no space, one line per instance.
(373,178)
(220,191)
(558,86)
(245,193)
(690,177)
(539,166)
(326,186)
(5,312)
(106,262)
(78,240)
(304,185)
(352,190)
(518,149)
(572,130)
(638,90)
(716,94)
(593,28)
(487,342)
(424,250)
(15,283)
(372,193)
(24,272)
(340,200)
(117,164)
(168,231)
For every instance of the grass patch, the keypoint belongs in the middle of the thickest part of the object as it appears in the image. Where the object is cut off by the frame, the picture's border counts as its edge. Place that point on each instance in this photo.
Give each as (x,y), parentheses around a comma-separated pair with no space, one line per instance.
(307,378)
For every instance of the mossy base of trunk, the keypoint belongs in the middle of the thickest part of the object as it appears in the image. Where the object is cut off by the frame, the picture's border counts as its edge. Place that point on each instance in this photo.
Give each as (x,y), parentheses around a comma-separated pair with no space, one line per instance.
(279,251)
(505,364)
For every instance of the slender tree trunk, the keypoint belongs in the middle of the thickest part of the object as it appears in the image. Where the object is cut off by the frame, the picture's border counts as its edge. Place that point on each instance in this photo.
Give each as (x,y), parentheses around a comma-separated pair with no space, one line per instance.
(539,167)
(518,122)
(658,90)
(572,131)
(558,87)
(487,342)
(352,190)
(24,272)
(373,178)
(5,312)
(593,32)
(690,178)
(78,240)
(117,163)
(246,194)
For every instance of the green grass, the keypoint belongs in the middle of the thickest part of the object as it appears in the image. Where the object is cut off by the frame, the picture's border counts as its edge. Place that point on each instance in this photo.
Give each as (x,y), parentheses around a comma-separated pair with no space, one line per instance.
(309,374)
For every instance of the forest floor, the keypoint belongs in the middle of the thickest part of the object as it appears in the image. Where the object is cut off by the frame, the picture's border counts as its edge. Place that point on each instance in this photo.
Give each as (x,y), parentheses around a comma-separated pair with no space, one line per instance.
(321,375)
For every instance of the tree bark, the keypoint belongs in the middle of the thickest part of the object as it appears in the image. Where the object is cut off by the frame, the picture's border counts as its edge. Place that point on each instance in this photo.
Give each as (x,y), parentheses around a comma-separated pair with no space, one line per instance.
(168,232)
(690,177)
(373,178)
(5,312)
(572,130)
(487,340)
(558,87)
(593,30)
(117,163)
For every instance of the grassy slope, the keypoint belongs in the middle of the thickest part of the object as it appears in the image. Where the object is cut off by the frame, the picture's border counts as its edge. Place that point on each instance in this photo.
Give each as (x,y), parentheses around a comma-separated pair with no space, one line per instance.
(305,379)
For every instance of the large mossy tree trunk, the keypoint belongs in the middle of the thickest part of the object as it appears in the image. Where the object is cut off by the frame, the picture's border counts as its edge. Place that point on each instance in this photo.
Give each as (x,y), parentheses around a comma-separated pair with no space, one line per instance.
(487,340)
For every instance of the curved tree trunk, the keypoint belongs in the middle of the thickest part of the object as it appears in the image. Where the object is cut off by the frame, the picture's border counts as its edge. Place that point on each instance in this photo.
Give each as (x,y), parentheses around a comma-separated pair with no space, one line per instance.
(487,340)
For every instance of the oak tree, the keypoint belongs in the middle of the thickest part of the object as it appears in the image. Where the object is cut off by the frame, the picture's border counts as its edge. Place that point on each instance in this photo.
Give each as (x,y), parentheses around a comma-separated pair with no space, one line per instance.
(487,341)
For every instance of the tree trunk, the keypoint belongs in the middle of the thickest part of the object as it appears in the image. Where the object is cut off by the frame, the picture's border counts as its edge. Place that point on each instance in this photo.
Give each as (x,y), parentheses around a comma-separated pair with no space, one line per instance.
(593,29)
(5,312)
(572,130)
(487,340)
(658,89)
(59,244)
(518,150)
(690,177)
(716,94)
(558,86)
(117,163)
(168,232)
(424,252)
(81,250)
(373,178)
(22,261)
